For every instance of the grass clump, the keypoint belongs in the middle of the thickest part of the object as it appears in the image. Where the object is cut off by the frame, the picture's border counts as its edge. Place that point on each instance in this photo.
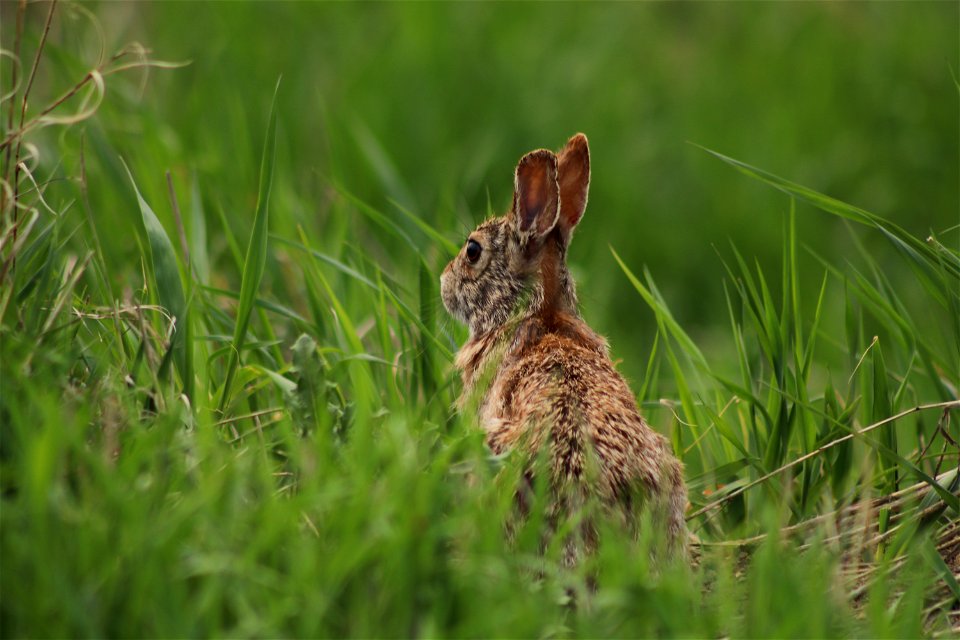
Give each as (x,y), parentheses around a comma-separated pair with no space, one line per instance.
(222,414)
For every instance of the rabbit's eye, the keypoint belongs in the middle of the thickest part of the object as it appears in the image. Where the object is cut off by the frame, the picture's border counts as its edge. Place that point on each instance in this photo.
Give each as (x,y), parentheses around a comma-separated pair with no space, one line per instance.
(473,251)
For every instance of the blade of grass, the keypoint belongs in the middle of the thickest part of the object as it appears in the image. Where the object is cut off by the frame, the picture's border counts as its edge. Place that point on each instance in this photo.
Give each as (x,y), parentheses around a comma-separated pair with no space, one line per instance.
(197,233)
(922,254)
(166,274)
(341,267)
(260,303)
(380,219)
(663,312)
(950,499)
(428,297)
(882,406)
(432,233)
(652,364)
(256,260)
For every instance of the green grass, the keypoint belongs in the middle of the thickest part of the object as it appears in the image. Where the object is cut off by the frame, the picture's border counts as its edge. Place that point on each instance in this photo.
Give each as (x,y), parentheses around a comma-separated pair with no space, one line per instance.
(226,392)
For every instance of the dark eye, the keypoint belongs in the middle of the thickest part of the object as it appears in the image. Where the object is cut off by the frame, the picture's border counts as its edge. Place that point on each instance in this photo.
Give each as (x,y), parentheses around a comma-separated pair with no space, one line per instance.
(473,251)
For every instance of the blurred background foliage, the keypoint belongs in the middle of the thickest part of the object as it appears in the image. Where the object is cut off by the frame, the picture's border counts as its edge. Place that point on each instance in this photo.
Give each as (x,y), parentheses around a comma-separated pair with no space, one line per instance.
(430,105)
(225,476)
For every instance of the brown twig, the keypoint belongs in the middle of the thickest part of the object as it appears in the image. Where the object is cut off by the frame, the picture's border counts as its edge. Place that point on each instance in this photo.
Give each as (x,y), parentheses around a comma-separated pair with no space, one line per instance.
(23,106)
(18,134)
(101,71)
(892,501)
(15,67)
(942,425)
(713,505)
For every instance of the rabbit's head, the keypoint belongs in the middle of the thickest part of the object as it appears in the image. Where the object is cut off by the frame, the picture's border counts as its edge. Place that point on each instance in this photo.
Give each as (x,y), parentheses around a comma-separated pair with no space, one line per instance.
(517,262)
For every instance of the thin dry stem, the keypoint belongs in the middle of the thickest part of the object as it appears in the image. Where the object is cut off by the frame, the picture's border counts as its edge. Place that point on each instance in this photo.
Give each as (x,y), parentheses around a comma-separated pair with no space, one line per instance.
(713,505)
(25,97)
(14,79)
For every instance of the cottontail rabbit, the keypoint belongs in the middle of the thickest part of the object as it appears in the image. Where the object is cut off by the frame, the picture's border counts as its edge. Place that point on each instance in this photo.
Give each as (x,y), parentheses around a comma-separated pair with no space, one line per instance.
(539,375)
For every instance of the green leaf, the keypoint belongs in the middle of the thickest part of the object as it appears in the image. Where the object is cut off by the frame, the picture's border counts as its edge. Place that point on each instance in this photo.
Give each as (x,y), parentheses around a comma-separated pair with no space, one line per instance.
(882,406)
(256,252)
(306,392)
(428,301)
(929,552)
(166,274)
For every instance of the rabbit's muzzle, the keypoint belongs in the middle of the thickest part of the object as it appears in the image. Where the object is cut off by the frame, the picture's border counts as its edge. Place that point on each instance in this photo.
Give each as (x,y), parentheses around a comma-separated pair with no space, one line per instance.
(448,292)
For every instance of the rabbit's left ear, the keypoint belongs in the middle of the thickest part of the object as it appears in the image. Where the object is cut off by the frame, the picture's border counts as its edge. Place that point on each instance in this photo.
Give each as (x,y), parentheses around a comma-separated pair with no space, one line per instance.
(574,181)
(536,195)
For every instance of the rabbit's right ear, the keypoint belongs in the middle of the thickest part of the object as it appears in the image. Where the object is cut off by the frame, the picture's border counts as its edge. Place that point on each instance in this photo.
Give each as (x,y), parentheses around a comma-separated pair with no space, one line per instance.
(536,195)
(574,180)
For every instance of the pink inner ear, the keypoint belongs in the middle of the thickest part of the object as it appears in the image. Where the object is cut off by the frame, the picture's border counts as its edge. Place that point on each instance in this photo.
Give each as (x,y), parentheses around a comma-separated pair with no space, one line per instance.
(538,194)
(534,200)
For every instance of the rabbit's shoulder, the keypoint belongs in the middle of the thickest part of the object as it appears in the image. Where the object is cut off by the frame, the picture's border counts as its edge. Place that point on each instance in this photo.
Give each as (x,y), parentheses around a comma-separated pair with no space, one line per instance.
(570,392)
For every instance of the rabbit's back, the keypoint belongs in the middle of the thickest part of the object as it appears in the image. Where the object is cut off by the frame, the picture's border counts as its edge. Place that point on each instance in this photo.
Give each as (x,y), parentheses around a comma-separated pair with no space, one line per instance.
(562,391)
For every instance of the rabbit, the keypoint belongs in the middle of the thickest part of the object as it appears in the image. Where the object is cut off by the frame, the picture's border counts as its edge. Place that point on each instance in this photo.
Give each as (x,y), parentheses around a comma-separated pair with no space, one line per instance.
(536,373)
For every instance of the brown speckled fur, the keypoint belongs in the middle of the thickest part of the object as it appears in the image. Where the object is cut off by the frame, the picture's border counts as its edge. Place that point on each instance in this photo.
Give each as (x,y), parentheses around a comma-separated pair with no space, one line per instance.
(541,377)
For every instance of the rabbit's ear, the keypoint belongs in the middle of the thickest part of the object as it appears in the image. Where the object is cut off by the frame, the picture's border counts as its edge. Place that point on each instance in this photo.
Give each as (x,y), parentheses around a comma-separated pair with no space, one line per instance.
(574,180)
(536,196)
